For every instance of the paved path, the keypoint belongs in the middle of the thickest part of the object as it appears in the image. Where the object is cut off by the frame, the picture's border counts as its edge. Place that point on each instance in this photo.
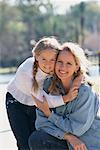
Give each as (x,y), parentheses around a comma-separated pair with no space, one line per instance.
(7,140)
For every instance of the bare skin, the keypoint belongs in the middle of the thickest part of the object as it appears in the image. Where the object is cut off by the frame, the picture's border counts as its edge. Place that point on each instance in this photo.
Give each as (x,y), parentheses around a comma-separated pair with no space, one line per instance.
(76,143)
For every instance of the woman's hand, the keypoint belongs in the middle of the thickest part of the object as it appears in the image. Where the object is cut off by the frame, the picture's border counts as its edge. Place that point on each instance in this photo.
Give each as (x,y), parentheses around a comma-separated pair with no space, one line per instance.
(76,143)
(43,106)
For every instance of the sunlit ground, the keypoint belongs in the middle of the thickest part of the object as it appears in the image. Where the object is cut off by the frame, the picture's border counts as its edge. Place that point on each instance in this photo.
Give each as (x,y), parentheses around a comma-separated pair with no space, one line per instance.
(7,140)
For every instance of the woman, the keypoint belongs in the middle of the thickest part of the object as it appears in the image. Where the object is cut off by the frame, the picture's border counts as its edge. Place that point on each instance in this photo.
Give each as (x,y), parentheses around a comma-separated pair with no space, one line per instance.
(80,117)
(29,79)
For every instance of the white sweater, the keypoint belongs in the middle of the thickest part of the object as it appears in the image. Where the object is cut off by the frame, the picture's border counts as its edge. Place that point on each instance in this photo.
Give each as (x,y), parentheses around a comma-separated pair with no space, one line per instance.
(21,86)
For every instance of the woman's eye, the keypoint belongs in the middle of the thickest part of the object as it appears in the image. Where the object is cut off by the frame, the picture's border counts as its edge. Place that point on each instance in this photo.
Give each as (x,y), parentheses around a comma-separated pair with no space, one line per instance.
(69,64)
(43,59)
(53,60)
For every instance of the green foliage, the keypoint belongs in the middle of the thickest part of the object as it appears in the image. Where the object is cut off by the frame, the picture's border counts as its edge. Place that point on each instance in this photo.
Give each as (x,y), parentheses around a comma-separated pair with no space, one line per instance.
(33,19)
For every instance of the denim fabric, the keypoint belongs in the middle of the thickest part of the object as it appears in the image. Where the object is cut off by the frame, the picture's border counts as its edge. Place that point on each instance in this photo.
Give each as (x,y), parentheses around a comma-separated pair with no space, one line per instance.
(22,120)
(80,117)
(40,140)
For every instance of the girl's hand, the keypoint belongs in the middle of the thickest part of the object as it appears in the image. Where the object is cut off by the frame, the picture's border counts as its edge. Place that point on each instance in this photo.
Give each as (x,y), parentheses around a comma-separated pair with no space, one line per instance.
(76,143)
(78,80)
(71,95)
(43,106)
(73,92)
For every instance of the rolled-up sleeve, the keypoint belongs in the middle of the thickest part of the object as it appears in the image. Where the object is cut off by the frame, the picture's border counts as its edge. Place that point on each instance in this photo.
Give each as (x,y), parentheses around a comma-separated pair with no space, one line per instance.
(43,123)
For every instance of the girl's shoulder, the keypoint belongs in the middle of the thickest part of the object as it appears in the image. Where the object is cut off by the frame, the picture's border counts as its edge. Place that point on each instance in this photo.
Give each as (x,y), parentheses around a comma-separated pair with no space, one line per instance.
(26,65)
(28,62)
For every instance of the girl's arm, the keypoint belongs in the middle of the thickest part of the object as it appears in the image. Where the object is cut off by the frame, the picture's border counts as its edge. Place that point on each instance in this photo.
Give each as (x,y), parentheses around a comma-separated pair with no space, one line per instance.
(56,101)
(24,77)
(73,92)
(24,82)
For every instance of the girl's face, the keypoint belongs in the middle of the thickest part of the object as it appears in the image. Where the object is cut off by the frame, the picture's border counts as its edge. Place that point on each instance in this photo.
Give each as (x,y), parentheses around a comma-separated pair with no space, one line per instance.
(46,60)
(65,65)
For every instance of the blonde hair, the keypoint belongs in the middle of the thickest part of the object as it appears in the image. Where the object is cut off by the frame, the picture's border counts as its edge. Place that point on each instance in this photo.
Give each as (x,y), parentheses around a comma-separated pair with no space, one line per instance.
(80,60)
(79,56)
(45,43)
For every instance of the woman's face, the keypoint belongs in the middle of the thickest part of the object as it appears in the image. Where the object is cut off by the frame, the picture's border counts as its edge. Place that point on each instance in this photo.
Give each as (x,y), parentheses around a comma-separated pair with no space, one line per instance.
(46,60)
(65,65)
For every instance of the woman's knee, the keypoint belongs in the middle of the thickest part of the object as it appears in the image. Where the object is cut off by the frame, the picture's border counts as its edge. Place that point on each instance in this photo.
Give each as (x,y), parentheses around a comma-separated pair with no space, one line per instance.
(38,140)
(32,141)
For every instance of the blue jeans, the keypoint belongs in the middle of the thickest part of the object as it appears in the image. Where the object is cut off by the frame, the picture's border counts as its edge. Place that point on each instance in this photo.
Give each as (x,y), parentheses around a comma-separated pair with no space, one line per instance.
(22,120)
(40,140)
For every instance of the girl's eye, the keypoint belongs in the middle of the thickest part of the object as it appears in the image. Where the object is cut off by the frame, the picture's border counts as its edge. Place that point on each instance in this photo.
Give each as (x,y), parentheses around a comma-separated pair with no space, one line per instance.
(59,62)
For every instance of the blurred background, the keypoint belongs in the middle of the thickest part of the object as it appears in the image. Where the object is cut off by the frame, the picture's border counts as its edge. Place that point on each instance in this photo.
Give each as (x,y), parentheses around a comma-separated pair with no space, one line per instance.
(24,22)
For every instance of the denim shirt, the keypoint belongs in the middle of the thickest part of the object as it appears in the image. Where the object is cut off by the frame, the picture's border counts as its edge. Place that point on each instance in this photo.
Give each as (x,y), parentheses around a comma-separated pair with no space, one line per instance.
(80,117)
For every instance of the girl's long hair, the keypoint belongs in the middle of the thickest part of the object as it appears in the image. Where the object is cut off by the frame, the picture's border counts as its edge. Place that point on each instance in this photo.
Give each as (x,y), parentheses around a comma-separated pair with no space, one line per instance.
(46,43)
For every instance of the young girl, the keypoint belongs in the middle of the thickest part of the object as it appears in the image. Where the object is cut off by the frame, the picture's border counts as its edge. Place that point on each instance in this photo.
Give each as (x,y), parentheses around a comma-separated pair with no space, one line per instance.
(81,117)
(29,80)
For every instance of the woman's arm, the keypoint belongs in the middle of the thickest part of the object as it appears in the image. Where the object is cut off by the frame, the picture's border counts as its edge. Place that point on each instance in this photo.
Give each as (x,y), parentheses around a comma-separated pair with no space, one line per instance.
(80,118)
(43,123)
(75,142)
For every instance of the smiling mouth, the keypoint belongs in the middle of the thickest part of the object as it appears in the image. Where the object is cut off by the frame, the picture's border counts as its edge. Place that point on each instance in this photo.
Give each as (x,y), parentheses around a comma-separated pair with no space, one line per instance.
(63,72)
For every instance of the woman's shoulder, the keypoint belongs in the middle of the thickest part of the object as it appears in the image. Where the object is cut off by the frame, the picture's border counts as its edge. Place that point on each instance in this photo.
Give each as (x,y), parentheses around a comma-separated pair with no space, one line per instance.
(85,89)
(85,86)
